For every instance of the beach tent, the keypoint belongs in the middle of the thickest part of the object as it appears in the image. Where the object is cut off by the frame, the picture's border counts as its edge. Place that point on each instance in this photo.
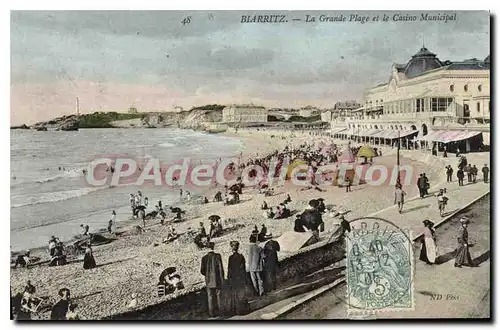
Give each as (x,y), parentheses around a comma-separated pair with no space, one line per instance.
(347,156)
(293,165)
(366,151)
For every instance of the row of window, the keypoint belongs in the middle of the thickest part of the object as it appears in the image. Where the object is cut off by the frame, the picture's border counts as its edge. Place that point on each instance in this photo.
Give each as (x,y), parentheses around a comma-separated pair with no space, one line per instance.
(478,106)
(377,103)
(466,88)
(393,127)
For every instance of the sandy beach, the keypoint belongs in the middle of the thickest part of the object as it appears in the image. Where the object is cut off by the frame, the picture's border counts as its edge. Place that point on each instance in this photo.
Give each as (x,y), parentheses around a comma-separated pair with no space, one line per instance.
(132,263)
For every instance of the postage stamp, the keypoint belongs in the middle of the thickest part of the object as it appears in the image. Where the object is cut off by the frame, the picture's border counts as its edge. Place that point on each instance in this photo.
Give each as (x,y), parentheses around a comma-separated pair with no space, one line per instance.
(379,267)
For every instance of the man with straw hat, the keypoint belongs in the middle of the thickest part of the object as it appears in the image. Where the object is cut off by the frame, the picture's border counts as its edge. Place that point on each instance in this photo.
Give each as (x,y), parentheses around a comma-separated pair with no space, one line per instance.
(463,257)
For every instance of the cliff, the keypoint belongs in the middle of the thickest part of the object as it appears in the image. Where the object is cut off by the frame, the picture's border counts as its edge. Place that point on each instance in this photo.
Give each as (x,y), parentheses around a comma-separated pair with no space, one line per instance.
(196,118)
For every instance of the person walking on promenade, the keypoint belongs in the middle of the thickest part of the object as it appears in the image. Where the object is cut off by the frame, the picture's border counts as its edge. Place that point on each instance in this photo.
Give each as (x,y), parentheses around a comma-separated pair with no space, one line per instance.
(474,173)
(463,257)
(442,201)
(486,172)
(426,184)
(255,262)
(460,176)
(445,153)
(399,197)
(270,268)
(348,185)
(428,251)
(212,269)
(468,169)
(449,173)
(236,276)
(420,185)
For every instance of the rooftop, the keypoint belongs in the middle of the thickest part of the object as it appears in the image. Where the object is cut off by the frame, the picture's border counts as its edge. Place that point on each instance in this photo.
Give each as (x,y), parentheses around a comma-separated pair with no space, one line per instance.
(425,61)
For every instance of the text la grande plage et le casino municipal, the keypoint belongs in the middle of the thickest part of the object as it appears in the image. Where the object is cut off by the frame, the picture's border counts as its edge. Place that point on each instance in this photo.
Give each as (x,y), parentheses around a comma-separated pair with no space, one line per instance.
(351,18)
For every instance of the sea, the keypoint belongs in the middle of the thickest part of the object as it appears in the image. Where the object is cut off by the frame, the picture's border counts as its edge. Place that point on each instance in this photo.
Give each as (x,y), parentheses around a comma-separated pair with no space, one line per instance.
(46,200)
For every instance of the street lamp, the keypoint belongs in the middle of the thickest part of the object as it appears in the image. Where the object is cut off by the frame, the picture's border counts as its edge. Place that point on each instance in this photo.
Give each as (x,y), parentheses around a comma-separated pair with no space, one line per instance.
(398,180)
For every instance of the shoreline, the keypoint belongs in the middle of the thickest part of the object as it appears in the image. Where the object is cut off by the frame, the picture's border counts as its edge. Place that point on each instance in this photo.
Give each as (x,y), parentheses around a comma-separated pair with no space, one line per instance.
(127,223)
(133,257)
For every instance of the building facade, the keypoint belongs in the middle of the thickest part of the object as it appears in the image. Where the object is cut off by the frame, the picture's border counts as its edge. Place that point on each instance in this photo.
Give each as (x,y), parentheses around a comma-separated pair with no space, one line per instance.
(427,94)
(345,108)
(309,111)
(244,114)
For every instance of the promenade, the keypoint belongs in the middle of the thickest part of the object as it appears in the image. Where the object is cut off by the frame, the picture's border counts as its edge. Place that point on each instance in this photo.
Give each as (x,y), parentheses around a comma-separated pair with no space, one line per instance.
(472,287)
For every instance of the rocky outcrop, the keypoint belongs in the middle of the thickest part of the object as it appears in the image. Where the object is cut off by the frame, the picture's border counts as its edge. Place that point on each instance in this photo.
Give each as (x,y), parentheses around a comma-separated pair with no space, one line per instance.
(65,123)
(196,118)
(192,119)
(23,126)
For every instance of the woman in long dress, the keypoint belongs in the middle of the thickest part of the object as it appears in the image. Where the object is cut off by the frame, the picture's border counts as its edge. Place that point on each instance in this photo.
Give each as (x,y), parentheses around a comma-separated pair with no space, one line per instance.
(463,257)
(428,251)
(237,280)
(88,259)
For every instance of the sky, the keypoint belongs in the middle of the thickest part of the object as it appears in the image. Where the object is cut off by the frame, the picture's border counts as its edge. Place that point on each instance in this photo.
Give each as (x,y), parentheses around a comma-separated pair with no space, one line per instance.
(113,60)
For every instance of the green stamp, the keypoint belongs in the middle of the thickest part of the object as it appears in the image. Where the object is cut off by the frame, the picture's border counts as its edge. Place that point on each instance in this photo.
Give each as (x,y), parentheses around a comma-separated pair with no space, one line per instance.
(379,267)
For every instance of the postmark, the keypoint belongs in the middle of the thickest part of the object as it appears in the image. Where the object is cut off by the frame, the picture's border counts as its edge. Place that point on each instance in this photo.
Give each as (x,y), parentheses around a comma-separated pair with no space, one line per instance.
(379,267)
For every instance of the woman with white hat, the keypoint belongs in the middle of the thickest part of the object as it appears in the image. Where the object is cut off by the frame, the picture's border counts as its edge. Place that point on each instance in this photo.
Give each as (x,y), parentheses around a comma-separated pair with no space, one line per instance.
(428,251)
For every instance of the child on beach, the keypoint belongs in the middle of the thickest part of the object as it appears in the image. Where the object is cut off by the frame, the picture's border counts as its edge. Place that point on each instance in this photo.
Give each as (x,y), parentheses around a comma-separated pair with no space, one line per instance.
(111,223)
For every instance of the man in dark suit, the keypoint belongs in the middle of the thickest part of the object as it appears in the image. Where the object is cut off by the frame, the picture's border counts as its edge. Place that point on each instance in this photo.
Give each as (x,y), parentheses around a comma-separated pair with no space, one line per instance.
(421,185)
(212,269)
(255,263)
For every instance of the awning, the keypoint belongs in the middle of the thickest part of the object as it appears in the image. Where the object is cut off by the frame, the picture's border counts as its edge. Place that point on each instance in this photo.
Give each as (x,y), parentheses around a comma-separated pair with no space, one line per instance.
(370,133)
(392,134)
(446,136)
(375,108)
(451,136)
(338,130)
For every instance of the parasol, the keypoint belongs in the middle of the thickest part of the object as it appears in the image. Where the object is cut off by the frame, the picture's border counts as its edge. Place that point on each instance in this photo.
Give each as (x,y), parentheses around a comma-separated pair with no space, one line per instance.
(347,156)
(293,165)
(366,151)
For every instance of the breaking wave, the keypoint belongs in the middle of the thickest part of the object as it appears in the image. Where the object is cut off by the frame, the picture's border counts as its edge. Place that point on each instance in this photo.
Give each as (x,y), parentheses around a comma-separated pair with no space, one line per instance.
(20,201)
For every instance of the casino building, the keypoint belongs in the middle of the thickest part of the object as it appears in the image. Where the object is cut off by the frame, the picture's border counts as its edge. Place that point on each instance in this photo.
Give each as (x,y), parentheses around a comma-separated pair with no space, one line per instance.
(249,113)
(427,102)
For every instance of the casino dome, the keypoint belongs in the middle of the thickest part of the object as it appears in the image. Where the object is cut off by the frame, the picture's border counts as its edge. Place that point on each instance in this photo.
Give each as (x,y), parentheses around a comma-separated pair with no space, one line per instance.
(421,62)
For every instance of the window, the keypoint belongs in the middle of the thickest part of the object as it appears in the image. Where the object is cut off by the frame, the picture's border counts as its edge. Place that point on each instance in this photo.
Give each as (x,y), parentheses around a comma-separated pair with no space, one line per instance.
(452,88)
(466,88)
(420,105)
(480,88)
(440,104)
(478,105)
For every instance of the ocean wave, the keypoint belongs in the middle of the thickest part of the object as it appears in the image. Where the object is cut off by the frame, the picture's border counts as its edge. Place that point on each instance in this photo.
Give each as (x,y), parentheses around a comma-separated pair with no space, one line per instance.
(166,145)
(20,201)
(73,173)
